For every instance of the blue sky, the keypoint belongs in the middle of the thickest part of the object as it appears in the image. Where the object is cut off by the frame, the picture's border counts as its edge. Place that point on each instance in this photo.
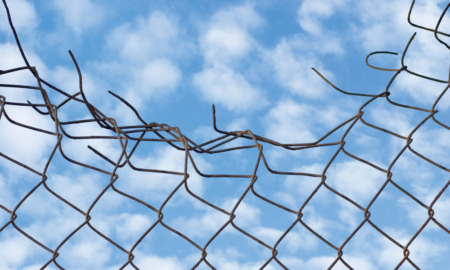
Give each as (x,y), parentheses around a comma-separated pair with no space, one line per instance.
(172,60)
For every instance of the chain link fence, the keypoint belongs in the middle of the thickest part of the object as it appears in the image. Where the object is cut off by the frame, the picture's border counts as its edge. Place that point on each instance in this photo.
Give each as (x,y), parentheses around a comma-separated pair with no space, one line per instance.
(117,161)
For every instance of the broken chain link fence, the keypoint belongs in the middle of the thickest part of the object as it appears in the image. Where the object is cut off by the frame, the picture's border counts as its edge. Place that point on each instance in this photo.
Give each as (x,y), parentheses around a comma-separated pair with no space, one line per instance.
(130,138)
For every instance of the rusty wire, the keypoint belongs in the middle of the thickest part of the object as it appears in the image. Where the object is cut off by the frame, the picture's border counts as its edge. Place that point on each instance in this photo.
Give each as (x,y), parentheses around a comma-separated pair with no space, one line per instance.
(136,135)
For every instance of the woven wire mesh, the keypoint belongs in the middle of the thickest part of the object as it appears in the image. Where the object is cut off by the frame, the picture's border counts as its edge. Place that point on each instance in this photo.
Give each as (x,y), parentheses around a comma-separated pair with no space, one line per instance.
(131,138)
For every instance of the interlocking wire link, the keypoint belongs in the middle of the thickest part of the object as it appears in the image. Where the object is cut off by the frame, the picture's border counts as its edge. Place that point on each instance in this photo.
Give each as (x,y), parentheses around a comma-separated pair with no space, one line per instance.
(131,137)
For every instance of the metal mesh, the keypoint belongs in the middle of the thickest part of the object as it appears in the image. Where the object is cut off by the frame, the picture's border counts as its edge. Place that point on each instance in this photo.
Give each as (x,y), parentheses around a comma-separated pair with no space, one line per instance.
(131,138)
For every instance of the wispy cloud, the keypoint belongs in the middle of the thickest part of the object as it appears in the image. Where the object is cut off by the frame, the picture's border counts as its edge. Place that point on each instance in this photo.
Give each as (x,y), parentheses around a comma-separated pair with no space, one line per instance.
(225,40)
(145,38)
(80,16)
(24,15)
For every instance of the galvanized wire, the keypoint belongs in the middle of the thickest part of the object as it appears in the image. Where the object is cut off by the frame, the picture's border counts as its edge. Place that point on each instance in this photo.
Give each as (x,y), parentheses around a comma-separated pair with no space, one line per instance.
(131,137)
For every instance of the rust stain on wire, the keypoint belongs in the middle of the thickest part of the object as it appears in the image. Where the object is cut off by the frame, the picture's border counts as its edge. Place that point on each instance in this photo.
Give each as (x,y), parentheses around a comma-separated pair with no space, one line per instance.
(135,135)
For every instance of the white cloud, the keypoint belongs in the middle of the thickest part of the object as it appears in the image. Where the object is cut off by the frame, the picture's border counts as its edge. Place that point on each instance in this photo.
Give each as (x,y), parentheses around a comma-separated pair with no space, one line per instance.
(88,253)
(127,227)
(296,239)
(286,123)
(220,44)
(37,266)
(11,58)
(323,226)
(418,215)
(356,180)
(163,263)
(349,214)
(433,143)
(425,57)
(384,24)
(84,188)
(311,12)
(146,68)
(225,41)
(292,122)
(51,230)
(440,210)
(243,16)
(395,121)
(28,146)
(42,207)
(80,16)
(14,251)
(422,179)
(298,188)
(358,262)
(203,226)
(422,250)
(246,214)
(227,35)
(380,25)
(426,13)
(229,260)
(293,70)
(67,79)
(203,133)
(157,78)
(146,38)
(77,149)
(159,75)
(319,262)
(221,85)
(387,19)
(23,16)
(268,235)
(389,254)
(370,250)
(6,198)
(165,158)
(319,37)
(230,265)
(155,187)
(238,124)
(424,92)
(25,145)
